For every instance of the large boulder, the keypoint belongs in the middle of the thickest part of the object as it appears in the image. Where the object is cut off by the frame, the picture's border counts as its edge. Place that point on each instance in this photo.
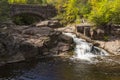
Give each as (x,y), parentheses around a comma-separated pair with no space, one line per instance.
(67,39)
(112,46)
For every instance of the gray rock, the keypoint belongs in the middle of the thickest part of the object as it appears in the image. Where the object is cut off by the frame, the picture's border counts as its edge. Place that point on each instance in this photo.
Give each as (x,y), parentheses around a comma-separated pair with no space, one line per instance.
(20,43)
(49,23)
(63,46)
(54,24)
(54,51)
(66,39)
(42,24)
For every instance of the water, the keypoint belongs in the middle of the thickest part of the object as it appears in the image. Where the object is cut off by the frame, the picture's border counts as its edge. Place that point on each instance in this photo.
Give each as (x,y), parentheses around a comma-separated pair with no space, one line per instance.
(57,69)
(78,67)
(85,50)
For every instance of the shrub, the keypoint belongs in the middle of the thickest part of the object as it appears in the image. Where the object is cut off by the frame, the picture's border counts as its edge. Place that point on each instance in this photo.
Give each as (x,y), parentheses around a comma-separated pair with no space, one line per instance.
(104,13)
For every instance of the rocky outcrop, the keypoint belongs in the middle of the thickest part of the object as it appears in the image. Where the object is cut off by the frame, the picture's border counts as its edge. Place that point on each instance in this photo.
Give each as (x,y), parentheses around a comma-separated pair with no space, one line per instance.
(109,42)
(87,30)
(112,46)
(49,23)
(24,42)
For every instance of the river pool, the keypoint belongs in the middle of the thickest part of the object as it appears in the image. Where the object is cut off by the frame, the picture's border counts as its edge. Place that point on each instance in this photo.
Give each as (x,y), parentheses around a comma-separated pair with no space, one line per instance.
(58,69)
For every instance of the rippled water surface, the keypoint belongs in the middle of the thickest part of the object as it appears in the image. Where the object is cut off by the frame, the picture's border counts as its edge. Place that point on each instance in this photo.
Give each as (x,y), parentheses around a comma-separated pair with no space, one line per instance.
(57,69)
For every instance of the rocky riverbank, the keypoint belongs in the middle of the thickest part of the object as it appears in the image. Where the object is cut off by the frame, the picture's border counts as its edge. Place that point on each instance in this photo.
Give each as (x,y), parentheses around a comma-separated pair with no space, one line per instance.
(112,45)
(18,43)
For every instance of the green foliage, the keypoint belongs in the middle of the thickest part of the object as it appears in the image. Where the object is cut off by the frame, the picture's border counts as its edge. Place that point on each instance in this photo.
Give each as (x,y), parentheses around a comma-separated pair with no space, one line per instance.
(99,12)
(115,12)
(41,2)
(104,13)
(71,11)
(84,8)
(27,1)
(59,4)
(106,38)
(17,1)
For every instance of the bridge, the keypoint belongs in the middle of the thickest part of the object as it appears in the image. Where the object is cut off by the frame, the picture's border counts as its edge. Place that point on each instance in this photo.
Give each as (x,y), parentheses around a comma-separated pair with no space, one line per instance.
(45,12)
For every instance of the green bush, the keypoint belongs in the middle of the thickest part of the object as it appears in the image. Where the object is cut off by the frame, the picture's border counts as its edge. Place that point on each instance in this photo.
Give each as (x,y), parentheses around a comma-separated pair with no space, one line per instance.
(106,38)
(74,11)
(116,12)
(17,1)
(71,11)
(105,12)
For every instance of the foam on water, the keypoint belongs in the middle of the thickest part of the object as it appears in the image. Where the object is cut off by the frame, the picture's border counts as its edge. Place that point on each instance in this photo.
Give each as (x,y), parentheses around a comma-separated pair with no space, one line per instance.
(84,50)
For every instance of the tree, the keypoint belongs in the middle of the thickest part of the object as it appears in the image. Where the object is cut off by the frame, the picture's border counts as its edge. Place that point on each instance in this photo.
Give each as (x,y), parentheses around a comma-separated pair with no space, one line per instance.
(71,11)
(103,13)
(116,12)
(17,1)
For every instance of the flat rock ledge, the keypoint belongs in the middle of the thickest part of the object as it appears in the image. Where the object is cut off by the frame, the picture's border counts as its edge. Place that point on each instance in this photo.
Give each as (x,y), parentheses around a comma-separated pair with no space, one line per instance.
(18,43)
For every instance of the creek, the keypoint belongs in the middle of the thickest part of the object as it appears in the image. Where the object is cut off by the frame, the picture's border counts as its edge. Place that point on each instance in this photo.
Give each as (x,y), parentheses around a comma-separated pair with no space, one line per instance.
(88,63)
(57,69)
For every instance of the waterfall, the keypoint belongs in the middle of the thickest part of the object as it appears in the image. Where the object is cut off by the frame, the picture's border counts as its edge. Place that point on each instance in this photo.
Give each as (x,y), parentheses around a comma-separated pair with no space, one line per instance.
(85,50)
